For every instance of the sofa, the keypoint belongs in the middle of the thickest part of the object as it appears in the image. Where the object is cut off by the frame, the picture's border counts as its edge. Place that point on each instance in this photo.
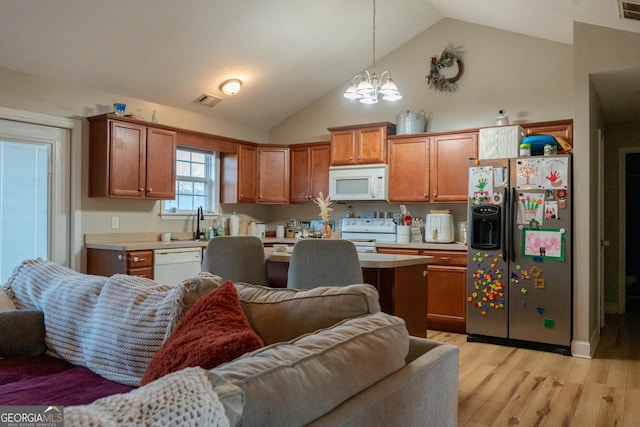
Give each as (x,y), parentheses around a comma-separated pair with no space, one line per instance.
(321,357)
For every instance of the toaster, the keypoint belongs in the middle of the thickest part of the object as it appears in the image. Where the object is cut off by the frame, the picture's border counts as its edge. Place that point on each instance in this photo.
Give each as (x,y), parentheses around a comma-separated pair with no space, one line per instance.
(439,228)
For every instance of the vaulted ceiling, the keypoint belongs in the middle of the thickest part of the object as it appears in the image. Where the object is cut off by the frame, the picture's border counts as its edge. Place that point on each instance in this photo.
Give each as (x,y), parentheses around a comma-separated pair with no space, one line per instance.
(287,52)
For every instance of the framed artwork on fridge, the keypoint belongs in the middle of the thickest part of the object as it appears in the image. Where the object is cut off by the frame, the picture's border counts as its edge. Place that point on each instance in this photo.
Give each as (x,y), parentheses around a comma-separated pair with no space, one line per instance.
(546,243)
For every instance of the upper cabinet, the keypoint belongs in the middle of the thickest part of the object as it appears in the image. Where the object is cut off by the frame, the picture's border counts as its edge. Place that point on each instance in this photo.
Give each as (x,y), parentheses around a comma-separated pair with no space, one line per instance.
(430,168)
(239,175)
(558,128)
(361,144)
(309,172)
(409,169)
(449,166)
(273,174)
(255,175)
(130,160)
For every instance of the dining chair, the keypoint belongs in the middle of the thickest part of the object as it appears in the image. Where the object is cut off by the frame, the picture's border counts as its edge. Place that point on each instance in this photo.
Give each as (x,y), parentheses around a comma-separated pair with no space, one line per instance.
(237,258)
(323,262)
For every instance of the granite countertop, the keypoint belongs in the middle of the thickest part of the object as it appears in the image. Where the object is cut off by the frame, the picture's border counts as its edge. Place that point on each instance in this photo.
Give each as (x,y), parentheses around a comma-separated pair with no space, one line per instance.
(367,259)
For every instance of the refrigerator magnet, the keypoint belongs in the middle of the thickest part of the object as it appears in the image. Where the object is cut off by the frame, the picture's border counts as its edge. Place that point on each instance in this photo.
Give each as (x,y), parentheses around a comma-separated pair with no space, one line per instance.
(551,209)
(497,198)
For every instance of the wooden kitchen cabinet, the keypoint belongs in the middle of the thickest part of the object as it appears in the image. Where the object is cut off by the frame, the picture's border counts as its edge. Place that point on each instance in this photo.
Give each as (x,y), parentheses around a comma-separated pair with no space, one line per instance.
(409,169)
(309,173)
(447,290)
(446,287)
(130,160)
(449,172)
(559,128)
(239,182)
(430,168)
(273,175)
(105,262)
(360,144)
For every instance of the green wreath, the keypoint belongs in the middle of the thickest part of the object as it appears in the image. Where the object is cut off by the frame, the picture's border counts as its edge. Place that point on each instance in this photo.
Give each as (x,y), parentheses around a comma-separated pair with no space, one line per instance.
(450,55)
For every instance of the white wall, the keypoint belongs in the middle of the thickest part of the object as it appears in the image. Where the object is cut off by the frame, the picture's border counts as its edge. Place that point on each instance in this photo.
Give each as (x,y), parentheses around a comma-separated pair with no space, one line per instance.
(596,50)
(530,78)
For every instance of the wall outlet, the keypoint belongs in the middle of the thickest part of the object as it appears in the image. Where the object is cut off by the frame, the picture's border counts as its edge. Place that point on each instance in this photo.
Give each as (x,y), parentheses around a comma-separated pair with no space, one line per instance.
(115,222)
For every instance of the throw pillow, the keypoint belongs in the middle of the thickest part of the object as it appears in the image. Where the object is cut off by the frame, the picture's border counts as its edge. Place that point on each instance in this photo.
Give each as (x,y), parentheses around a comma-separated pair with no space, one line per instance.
(214,331)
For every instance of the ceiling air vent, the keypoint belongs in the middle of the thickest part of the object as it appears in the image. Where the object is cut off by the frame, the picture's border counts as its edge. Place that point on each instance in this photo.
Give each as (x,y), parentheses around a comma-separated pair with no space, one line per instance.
(208,100)
(629,9)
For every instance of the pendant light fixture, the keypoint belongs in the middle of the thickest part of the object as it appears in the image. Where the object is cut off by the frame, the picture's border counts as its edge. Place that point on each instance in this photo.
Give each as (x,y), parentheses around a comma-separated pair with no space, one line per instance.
(366,87)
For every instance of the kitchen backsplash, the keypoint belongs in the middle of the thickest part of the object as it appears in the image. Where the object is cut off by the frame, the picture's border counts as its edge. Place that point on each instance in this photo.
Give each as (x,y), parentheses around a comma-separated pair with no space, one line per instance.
(279,215)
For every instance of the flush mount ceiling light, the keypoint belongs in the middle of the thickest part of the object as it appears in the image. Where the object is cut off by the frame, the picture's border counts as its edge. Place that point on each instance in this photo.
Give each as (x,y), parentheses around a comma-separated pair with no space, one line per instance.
(230,87)
(367,87)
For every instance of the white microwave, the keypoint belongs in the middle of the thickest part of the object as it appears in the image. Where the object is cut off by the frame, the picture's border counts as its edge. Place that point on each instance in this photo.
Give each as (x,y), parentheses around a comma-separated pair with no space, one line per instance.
(362,182)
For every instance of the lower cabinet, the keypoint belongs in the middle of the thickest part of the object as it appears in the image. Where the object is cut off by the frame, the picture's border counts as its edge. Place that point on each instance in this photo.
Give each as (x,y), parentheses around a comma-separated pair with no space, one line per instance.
(446,288)
(105,262)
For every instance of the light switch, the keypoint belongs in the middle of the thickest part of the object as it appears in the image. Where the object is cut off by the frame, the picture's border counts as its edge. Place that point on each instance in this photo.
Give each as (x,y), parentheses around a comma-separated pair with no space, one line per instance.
(115,222)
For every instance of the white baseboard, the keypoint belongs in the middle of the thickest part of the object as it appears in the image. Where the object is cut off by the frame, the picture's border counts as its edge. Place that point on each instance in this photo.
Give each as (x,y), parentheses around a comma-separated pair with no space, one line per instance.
(586,349)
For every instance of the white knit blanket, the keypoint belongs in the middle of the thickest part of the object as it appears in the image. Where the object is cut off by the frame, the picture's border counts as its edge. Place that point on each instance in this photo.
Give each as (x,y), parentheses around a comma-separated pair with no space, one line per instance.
(183,398)
(112,326)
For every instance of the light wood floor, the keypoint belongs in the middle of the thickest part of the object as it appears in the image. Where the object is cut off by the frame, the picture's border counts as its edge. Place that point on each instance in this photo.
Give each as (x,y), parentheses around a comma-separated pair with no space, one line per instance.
(505,386)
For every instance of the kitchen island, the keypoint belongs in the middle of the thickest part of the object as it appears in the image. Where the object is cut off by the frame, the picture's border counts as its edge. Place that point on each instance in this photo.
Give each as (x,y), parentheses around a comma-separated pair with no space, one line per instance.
(401,281)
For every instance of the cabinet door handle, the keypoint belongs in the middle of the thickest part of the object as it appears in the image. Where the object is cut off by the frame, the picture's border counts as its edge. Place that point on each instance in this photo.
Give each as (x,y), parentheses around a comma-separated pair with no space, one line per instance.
(136,259)
(444,259)
(426,195)
(435,194)
(150,190)
(141,189)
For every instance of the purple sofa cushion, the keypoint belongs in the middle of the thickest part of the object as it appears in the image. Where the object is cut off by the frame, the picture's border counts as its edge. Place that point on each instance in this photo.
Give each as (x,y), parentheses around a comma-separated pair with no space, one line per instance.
(21,368)
(48,381)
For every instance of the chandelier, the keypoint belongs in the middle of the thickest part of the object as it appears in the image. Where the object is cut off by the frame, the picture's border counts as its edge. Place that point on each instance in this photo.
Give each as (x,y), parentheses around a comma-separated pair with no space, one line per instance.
(366,87)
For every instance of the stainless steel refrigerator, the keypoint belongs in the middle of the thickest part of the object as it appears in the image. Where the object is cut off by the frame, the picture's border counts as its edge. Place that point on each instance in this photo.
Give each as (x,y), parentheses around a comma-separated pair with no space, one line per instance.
(519,283)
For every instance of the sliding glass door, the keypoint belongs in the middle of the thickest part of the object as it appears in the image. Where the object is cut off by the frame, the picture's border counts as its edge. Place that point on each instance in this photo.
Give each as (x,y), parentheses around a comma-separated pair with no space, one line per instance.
(34,194)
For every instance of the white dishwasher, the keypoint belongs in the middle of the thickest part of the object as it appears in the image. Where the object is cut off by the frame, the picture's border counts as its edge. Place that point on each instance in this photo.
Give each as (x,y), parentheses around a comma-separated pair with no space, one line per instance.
(172,266)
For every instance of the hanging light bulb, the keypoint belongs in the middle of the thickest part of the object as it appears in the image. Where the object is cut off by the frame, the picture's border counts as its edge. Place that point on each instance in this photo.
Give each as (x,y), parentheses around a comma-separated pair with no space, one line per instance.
(367,87)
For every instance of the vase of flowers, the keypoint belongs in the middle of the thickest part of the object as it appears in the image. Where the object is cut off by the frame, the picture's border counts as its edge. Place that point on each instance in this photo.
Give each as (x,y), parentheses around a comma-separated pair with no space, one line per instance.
(325,212)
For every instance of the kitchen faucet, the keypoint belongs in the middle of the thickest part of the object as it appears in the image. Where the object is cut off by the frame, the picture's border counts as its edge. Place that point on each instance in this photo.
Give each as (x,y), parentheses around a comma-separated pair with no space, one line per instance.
(199,217)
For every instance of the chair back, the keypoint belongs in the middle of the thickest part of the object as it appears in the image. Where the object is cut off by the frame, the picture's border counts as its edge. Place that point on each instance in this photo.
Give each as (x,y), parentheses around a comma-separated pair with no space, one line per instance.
(237,258)
(323,262)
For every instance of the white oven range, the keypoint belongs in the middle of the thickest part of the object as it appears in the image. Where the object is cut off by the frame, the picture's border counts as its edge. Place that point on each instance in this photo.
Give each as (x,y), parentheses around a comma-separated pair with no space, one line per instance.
(365,232)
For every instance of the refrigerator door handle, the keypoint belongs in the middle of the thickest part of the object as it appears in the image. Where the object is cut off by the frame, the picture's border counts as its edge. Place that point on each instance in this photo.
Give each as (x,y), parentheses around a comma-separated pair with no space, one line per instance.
(503,227)
(512,225)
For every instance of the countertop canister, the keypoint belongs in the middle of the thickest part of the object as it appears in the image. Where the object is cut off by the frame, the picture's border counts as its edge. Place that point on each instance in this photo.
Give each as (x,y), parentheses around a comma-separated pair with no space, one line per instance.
(234,224)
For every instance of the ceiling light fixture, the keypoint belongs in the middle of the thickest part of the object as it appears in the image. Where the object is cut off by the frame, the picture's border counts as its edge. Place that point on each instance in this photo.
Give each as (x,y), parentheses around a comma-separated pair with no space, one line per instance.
(230,87)
(366,87)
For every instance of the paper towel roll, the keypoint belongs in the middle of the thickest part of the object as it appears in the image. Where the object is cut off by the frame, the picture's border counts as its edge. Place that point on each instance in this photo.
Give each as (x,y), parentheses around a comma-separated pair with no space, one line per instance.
(234,225)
